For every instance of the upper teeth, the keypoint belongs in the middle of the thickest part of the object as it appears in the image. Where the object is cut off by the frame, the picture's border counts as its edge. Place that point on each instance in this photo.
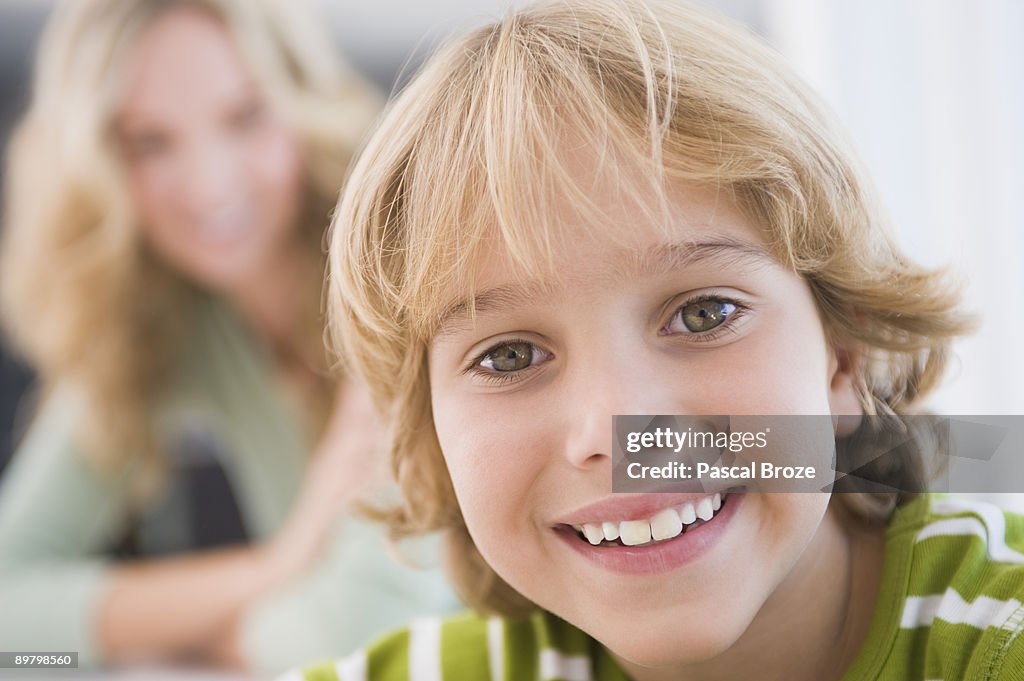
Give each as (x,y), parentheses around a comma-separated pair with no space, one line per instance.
(662,525)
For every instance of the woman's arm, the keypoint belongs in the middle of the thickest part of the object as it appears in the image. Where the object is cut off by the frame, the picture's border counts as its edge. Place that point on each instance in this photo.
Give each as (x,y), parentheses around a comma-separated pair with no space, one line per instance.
(178,606)
(57,514)
(192,604)
(356,592)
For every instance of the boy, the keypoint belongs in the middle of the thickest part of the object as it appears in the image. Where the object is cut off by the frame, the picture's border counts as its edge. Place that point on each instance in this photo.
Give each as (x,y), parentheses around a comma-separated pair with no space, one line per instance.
(597,208)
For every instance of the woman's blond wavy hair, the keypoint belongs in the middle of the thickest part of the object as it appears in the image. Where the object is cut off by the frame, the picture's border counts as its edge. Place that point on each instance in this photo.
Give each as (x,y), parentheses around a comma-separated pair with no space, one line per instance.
(472,151)
(83,299)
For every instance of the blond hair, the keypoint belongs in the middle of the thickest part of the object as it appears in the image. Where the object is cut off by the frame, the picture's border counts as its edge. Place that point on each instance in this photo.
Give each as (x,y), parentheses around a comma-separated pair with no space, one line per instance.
(469,153)
(83,298)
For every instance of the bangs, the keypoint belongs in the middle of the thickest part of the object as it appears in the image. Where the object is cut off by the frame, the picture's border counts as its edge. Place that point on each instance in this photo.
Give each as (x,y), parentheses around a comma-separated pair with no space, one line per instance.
(542,112)
(529,122)
(552,105)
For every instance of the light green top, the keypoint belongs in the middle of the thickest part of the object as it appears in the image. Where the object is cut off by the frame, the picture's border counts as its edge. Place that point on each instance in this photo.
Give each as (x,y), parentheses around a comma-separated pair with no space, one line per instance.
(949,608)
(57,514)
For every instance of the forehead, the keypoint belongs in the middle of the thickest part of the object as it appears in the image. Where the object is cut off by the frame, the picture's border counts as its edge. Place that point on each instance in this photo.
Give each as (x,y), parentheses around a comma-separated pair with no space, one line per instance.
(184,63)
(701,228)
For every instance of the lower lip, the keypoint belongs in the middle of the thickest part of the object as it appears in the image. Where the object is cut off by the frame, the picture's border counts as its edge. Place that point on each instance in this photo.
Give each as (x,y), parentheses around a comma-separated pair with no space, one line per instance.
(661,557)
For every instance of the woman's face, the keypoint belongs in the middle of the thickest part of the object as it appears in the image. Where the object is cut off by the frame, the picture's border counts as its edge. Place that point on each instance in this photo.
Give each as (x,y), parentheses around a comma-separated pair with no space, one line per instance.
(215,172)
(523,394)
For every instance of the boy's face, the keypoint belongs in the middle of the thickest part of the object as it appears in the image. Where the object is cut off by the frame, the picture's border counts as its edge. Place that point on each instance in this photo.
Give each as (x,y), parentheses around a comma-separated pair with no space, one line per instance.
(700,322)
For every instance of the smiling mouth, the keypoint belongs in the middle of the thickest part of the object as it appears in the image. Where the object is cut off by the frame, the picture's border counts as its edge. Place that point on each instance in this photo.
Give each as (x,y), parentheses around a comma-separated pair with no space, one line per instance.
(663,526)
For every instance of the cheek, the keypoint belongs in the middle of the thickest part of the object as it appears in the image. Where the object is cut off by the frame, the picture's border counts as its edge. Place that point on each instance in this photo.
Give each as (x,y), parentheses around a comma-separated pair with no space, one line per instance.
(783,369)
(794,516)
(159,213)
(475,448)
(789,531)
(274,170)
(494,457)
(154,194)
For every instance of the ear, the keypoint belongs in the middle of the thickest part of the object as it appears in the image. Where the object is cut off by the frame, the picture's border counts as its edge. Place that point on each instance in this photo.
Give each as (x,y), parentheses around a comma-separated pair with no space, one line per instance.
(845,368)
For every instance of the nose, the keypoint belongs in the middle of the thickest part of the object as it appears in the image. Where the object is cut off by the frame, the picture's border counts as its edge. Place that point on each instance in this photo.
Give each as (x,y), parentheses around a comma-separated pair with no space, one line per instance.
(592,395)
(209,176)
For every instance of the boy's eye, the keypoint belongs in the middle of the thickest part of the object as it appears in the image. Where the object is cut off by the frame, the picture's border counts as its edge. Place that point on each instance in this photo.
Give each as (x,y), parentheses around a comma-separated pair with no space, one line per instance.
(508,361)
(702,315)
(508,357)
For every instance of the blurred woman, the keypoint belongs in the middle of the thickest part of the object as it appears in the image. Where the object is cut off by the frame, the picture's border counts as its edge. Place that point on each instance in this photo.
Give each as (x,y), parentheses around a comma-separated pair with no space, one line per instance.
(161,268)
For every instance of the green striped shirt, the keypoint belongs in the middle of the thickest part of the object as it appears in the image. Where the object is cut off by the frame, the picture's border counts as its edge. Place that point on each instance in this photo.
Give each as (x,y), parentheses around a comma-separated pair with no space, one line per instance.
(949,608)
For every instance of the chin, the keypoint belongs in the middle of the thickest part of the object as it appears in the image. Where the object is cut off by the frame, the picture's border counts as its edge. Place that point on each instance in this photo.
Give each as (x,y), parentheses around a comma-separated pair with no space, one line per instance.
(670,641)
(224,274)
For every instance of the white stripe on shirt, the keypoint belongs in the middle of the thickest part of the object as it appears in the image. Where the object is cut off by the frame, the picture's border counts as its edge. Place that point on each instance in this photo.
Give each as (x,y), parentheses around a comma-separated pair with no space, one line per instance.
(982,612)
(353,667)
(993,530)
(496,648)
(425,650)
(555,664)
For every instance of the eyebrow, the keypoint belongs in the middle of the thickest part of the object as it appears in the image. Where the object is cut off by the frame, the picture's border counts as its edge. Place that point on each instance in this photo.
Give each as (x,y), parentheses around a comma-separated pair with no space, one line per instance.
(667,258)
(132,118)
(495,298)
(656,261)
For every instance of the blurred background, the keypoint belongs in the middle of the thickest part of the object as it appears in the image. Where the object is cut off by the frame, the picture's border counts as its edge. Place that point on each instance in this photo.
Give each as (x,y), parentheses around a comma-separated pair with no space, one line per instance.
(932,92)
